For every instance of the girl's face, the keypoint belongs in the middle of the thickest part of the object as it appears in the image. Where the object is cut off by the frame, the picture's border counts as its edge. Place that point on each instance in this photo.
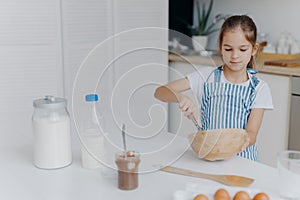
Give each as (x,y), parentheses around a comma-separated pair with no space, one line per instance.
(237,50)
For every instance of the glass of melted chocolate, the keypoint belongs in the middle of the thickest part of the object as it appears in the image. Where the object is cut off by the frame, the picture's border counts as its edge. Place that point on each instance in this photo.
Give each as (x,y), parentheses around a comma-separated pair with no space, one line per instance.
(127,169)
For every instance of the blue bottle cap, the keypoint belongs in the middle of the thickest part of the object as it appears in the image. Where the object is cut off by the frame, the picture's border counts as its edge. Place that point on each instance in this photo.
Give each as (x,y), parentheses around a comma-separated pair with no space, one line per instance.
(91,97)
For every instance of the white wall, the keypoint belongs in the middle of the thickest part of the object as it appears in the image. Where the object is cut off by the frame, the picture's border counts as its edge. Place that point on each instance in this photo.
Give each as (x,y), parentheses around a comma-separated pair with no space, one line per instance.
(270,16)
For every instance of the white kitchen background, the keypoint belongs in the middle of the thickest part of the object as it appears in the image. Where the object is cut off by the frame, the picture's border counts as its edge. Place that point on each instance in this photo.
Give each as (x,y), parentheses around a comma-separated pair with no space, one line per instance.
(43,43)
(271,16)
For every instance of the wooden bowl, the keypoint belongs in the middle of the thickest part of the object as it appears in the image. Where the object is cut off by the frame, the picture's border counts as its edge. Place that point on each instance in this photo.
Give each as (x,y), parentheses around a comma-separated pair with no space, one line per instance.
(218,144)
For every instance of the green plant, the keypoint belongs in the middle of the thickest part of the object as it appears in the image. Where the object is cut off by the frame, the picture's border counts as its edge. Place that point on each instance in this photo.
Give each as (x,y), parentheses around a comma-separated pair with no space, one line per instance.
(203,14)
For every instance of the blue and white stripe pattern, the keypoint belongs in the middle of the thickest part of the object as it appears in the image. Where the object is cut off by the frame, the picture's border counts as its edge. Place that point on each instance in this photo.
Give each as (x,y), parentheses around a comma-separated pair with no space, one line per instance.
(226,105)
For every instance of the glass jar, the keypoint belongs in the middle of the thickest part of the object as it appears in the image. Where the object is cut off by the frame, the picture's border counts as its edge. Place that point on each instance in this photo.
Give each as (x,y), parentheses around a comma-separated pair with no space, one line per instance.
(51,133)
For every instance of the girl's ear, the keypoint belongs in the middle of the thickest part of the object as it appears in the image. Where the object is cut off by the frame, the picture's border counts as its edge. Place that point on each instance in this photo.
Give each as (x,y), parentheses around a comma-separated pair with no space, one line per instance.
(255,49)
(220,51)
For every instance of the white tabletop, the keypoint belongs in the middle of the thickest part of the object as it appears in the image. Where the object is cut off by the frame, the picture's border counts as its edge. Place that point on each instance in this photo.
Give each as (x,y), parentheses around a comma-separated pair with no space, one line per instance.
(20,179)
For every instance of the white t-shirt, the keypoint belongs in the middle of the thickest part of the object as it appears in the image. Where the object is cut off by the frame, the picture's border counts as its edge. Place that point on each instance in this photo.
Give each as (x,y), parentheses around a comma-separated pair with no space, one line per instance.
(196,79)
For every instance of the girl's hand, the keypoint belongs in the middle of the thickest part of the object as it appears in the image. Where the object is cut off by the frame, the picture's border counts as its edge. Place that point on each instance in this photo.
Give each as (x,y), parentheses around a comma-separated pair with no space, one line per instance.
(247,142)
(187,106)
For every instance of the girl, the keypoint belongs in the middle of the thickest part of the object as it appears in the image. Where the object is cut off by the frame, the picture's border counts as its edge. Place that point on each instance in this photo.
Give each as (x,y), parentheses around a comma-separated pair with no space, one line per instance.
(230,95)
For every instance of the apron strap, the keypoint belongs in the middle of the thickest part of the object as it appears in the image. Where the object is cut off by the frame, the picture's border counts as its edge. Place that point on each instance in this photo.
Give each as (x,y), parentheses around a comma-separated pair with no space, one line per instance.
(217,74)
(253,79)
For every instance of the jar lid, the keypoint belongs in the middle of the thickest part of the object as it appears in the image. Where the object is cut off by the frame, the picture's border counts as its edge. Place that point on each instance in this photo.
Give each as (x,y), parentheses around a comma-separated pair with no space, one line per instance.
(50,102)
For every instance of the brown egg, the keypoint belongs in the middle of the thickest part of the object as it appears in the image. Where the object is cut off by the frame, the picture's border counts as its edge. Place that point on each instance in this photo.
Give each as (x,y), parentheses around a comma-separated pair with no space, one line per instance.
(221,194)
(241,195)
(200,197)
(221,198)
(261,196)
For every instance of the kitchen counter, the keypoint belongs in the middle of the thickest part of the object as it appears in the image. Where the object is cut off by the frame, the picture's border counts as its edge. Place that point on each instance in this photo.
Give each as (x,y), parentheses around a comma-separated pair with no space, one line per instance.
(20,179)
(217,61)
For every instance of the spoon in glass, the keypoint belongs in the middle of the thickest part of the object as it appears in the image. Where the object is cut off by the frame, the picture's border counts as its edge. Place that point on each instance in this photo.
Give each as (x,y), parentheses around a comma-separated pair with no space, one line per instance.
(124,141)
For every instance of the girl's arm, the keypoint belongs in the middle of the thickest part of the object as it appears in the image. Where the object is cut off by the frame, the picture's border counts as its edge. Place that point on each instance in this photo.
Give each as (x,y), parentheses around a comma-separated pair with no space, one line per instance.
(253,125)
(172,92)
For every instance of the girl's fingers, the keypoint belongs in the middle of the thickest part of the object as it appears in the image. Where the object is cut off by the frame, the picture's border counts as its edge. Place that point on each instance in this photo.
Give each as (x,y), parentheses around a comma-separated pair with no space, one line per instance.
(195,117)
(190,113)
(187,106)
(246,144)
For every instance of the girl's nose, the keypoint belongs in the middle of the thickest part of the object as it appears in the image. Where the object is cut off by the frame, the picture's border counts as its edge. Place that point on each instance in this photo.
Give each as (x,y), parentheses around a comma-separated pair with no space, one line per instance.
(235,54)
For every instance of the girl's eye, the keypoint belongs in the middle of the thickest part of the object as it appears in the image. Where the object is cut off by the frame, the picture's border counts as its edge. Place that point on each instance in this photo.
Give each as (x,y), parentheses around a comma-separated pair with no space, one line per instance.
(227,49)
(244,49)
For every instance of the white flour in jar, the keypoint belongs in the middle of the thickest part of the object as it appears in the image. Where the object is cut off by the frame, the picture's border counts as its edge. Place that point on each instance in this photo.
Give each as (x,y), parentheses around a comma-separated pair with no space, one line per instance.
(52,142)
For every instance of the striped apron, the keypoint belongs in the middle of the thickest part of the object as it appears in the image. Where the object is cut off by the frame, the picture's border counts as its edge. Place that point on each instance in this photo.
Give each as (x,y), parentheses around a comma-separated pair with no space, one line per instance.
(226,105)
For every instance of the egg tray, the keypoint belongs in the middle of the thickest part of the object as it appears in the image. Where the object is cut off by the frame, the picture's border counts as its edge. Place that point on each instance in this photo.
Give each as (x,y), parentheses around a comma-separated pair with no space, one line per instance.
(193,189)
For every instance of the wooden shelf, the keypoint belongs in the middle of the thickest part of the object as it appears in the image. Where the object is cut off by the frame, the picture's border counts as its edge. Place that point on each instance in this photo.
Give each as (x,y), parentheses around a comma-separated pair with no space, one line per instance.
(275,56)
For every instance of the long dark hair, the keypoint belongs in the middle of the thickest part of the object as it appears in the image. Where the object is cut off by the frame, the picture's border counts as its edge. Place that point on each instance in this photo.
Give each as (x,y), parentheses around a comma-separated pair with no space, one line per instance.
(247,25)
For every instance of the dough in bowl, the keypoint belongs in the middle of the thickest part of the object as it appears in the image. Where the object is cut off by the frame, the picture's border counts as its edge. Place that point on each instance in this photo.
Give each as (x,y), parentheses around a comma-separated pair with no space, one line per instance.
(217,144)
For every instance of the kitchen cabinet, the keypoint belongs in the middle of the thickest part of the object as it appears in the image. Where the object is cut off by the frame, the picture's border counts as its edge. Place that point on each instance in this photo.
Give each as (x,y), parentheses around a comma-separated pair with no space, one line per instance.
(140,65)
(43,45)
(273,134)
(294,136)
(128,69)
(31,60)
(85,25)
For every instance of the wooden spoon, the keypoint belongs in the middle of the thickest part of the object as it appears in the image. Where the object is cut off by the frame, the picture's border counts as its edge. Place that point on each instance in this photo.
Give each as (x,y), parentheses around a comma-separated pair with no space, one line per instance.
(231,180)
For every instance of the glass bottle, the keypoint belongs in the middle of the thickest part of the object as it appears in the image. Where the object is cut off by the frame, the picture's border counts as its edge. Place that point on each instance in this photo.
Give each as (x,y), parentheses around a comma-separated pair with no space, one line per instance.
(51,133)
(92,140)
